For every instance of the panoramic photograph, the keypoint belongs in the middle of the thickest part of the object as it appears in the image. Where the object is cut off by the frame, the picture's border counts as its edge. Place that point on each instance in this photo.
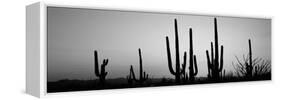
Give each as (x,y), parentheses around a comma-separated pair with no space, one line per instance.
(95,49)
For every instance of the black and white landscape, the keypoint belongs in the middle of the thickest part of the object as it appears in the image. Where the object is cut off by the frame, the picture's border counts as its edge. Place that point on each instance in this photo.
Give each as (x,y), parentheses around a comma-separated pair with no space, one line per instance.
(90,49)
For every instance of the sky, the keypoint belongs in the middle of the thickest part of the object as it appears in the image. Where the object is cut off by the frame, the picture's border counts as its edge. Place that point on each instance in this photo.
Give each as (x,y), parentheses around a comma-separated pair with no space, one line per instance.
(73,34)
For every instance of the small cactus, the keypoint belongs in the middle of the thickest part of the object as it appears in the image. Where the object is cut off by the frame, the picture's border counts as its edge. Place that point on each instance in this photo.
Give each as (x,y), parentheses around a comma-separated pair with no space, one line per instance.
(143,76)
(101,74)
(129,77)
(249,66)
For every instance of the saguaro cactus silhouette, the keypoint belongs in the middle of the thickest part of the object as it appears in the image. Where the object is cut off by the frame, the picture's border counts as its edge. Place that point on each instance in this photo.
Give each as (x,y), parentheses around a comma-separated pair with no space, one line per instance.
(142,74)
(214,65)
(177,73)
(101,74)
(192,58)
(129,77)
(249,66)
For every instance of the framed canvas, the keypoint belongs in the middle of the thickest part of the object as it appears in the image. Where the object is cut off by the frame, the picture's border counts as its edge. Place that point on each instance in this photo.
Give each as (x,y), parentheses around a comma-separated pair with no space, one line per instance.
(81,48)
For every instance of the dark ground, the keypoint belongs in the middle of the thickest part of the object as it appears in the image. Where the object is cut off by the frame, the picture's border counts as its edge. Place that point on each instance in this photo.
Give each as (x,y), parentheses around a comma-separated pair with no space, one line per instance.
(118,83)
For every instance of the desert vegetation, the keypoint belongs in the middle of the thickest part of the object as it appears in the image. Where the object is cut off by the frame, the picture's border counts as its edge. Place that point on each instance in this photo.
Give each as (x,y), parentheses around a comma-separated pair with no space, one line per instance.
(247,68)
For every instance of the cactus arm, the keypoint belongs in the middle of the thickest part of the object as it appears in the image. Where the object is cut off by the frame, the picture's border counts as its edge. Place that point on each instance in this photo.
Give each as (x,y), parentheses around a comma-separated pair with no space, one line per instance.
(212,54)
(221,60)
(96,64)
(211,61)
(195,65)
(208,63)
(184,64)
(145,76)
(129,78)
(208,60)
(103,73)
(105,62)
(169,57)
(133,73)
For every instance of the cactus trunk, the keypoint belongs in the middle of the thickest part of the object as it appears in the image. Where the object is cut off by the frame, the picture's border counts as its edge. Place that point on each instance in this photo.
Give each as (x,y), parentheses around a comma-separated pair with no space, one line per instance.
(177,53)
(192,58)
(249,66)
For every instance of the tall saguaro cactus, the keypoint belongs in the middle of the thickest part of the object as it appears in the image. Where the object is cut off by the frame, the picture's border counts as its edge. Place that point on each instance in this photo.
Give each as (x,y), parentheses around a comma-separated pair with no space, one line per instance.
(101,74)
(214,65)
(192,58)
(142,74)
(177,72)
(249,66)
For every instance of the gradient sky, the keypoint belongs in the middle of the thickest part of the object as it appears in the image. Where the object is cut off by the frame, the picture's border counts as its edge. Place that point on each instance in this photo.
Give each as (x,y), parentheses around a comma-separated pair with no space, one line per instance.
(73,35)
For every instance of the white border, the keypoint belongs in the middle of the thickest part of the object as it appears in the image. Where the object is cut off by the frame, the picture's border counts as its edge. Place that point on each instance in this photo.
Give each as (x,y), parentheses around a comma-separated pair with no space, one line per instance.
(43,49)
